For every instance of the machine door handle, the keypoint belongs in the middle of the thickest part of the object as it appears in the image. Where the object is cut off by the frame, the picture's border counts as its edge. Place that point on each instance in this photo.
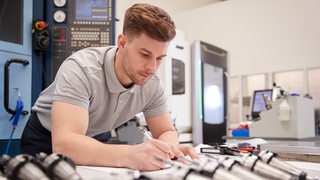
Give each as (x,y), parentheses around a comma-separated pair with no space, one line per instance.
(6,83)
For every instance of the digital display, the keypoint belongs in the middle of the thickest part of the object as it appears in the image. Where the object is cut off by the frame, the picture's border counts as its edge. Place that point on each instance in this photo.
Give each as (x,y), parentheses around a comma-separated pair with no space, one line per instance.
(258,103)
(92,10)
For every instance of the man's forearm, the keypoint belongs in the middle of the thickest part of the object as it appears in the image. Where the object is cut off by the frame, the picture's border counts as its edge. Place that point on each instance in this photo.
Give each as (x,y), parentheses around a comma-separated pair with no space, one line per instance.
(88,151)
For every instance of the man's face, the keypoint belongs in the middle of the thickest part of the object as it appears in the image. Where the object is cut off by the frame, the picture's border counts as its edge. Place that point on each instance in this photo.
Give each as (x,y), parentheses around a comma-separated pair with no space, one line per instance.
(141,58)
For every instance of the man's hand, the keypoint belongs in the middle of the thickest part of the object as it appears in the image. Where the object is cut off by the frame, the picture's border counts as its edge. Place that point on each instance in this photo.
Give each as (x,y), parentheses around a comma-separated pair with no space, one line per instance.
(145,156)
(183,150)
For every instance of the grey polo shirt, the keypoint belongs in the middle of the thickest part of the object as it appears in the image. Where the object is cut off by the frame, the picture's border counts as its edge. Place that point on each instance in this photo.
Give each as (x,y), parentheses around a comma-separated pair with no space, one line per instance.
(87,79)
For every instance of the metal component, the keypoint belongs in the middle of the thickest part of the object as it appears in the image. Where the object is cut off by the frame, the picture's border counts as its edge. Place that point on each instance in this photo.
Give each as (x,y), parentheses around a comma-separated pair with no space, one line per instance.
(267,101)
(59,166)
(270,158)
(235,167)
(21,167)
(6,83)
(256,165)
(185,172)
(216,171)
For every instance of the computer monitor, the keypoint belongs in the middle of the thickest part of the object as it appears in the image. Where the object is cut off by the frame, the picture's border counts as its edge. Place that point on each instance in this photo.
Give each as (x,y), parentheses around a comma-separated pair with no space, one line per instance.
(97,10)
(258,102)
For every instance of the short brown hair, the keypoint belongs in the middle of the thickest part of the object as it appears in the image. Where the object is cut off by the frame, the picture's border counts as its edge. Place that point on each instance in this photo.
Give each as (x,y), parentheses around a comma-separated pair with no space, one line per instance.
(151,20)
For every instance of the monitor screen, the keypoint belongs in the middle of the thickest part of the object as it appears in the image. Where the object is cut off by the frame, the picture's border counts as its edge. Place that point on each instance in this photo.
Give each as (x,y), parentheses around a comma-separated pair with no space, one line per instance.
(258,102)
(11,21)
(92,10)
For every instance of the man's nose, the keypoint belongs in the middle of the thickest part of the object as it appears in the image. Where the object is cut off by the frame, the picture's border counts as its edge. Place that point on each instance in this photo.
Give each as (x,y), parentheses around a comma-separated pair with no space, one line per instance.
(151,66)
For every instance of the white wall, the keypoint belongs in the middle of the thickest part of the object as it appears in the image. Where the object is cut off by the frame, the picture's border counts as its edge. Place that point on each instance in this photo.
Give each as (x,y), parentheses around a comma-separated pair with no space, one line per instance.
(172,7)
(260,35)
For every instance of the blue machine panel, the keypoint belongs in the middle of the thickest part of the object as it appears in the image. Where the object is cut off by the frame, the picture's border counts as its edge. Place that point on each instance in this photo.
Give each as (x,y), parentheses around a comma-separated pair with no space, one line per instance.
(19,81)
(19,14)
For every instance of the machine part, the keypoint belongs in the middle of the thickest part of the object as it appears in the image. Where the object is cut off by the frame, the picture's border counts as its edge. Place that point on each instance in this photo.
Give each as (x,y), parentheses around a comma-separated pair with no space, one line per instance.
(41,35)
(270,158)
(21,167)
(59,16)
(216,171)
(130,132)
(6,83)
(60,3)
(209,61)
(58,166)
(256,165)
(267,101)
(211,169)
(294,120)
(186,172)
(236,168)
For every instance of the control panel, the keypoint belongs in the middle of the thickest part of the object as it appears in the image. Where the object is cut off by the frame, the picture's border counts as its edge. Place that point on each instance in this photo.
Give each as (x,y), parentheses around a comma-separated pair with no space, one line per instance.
(78,24)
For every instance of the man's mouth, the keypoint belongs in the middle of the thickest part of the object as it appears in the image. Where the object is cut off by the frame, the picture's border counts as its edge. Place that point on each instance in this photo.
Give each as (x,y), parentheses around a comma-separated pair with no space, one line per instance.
(144,74)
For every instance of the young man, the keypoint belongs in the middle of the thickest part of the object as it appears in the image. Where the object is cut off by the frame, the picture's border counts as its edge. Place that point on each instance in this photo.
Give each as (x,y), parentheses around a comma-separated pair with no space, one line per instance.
(98,89)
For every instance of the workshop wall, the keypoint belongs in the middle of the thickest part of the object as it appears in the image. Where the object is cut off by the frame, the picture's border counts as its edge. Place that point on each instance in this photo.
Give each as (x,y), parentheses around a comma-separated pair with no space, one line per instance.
(172,7)
(268,35)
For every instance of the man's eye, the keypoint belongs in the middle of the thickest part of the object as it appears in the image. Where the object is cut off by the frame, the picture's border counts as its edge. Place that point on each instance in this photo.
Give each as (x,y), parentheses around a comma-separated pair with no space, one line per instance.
(145,54)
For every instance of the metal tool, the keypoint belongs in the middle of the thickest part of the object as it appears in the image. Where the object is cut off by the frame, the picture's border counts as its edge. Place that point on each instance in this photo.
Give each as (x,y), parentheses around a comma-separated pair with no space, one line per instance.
(236,168)
(183,171)
(58,166)
(267,101)
(255,164)
(270,158)
(21,167)
(215,170)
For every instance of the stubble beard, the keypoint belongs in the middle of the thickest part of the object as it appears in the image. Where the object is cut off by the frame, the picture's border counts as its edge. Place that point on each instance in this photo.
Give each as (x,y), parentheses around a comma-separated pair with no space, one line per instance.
(134,75)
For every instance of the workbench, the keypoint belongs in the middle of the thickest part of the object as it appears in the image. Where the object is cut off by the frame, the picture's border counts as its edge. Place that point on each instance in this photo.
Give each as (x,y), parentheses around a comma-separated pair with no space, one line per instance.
(87,172)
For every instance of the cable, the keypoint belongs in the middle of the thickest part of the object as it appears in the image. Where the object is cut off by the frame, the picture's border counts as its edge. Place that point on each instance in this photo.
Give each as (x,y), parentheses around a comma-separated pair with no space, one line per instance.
(15,119)
(10,139)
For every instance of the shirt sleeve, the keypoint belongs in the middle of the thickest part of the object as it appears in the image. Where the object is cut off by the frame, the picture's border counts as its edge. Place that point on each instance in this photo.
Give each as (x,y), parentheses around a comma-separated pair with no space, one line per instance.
(72,84)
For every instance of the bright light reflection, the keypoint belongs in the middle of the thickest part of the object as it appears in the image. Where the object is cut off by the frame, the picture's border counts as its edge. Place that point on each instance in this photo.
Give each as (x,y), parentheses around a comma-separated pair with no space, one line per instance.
(213,97)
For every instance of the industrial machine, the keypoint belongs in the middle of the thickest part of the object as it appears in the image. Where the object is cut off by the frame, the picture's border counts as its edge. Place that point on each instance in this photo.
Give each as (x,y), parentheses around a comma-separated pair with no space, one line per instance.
(15,71)
(288,117)
(74,25)
(175,73)
(210,90)
(35,38)
(71,26)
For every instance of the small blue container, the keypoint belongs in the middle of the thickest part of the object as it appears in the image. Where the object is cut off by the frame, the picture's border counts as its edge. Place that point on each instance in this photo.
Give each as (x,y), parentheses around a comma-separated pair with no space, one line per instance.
(240,133)
(294,94)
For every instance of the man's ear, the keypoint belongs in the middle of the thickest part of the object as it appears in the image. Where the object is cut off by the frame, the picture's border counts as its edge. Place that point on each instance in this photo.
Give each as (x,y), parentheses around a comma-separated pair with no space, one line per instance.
(121,40)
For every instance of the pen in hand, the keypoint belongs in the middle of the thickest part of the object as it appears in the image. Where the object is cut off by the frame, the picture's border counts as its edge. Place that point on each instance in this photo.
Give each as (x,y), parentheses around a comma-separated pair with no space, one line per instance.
(145,133)
(149,137)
